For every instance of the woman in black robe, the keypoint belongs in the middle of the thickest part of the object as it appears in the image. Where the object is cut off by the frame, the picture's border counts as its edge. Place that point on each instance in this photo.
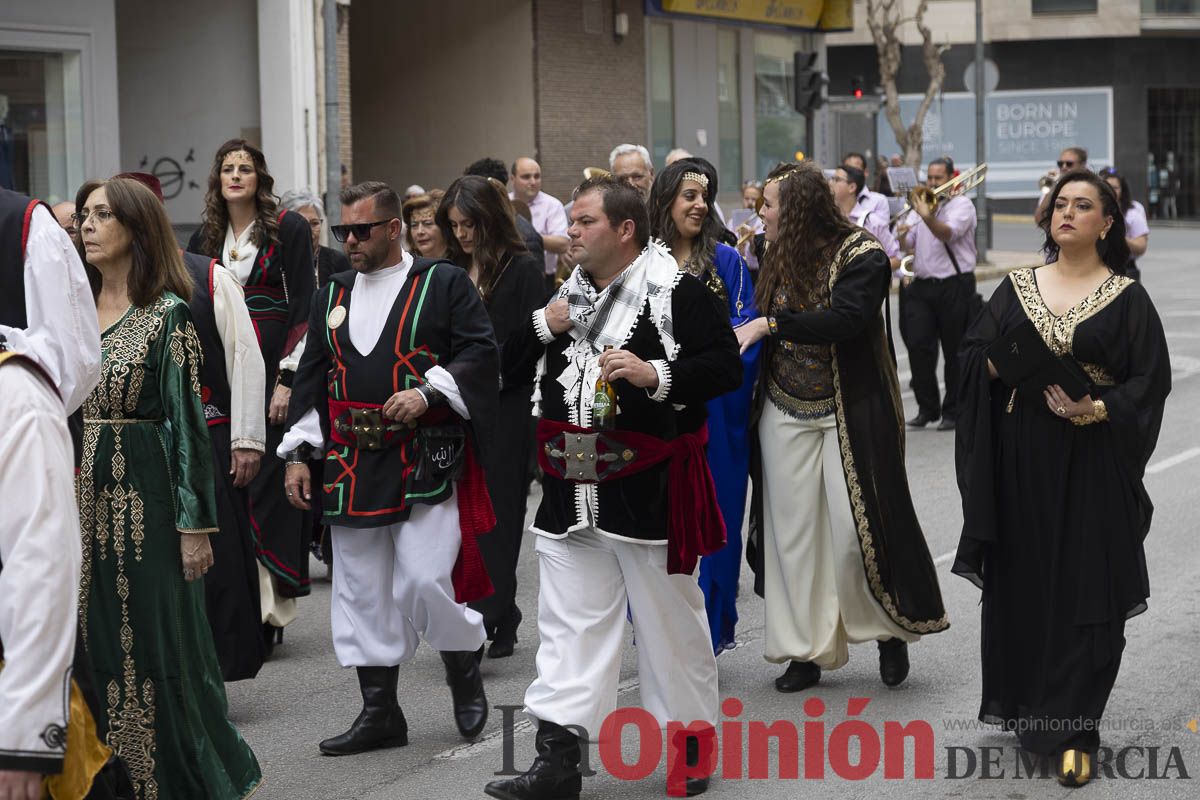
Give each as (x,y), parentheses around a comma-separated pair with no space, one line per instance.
(477,223)
(270,252)
(1054,507)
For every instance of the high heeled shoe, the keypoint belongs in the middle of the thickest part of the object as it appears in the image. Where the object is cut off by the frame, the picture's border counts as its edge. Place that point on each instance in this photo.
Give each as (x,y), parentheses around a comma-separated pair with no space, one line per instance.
(1074,768)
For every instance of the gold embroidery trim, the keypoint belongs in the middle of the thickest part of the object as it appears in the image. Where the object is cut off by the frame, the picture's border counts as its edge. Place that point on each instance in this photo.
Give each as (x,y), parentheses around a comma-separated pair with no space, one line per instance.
(797,408)
(1097,374)
(850,250)
(1059,332)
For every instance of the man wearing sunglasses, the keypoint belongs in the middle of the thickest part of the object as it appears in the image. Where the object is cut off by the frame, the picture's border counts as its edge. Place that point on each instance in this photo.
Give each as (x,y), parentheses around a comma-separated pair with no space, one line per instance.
(399,376)
(1073,157)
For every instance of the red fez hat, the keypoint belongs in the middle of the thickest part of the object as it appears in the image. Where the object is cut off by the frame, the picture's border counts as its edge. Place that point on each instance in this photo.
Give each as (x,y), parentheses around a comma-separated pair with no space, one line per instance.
(146,179)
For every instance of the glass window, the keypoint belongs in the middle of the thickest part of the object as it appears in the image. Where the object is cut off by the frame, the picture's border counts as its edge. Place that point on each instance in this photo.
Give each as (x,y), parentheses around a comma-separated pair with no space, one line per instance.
(662,93)
(779,130)
(1063,6)
(729,111)
(41,124)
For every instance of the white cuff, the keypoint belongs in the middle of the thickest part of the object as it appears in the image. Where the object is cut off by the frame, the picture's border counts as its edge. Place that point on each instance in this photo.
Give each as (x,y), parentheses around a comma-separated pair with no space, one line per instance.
(544,334)
(664,380)
(306,431)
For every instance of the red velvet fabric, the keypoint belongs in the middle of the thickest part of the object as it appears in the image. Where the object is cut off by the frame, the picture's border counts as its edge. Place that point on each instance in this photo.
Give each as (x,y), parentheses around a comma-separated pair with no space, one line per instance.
(694,524)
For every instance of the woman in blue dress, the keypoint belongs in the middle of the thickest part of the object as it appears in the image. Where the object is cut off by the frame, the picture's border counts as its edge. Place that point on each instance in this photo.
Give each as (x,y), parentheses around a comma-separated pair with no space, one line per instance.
(682,215)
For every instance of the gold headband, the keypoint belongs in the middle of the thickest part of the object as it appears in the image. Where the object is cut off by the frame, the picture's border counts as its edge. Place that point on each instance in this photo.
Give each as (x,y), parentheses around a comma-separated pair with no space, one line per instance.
(791,170)
(697,177)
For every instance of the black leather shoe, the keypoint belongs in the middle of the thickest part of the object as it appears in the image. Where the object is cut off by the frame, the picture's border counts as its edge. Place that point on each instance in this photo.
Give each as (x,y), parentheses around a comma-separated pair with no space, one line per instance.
(893,661)
(466,687)
(696,785)
(799,676)
(921,420)
(505,639)
(554,774)
(947,424)
(381,722)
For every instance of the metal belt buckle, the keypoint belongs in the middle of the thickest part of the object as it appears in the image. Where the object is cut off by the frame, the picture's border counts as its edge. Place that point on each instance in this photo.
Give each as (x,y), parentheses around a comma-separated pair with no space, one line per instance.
(582,461)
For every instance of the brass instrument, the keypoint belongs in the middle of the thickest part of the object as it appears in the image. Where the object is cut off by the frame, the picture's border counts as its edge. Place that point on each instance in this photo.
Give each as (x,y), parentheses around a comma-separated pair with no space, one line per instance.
(964,182)
(594,172)
(1046,183)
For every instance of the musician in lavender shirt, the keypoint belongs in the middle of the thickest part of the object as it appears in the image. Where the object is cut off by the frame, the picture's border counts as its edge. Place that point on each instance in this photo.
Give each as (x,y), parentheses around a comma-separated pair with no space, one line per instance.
(866,201)
(933,306)
(845,184)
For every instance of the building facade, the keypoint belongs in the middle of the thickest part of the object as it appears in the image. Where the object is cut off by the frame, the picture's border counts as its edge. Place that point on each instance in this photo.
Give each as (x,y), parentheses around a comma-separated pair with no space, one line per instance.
(1111,75)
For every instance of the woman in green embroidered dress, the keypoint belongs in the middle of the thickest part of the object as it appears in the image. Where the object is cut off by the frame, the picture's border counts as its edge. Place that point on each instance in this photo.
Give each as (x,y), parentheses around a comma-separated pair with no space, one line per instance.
(146,509)
(1053,503)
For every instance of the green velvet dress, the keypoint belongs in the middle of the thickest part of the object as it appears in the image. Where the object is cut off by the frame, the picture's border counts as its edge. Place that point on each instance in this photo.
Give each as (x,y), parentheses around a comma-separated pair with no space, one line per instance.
(146,477)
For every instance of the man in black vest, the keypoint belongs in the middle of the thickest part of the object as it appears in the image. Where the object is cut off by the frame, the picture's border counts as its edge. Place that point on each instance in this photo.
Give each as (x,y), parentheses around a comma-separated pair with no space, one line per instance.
(628,510)
(398,380)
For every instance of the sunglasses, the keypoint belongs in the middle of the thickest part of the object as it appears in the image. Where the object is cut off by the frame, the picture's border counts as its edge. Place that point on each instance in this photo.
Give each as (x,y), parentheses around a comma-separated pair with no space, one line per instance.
(361,230)
(1066,164)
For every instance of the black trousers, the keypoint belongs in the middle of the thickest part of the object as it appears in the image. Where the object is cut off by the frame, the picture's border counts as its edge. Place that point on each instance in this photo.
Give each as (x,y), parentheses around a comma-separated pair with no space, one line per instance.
(933,312)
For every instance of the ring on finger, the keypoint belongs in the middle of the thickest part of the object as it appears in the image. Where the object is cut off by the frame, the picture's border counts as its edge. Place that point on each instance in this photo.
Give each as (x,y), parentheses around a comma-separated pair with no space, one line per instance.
(1061,410)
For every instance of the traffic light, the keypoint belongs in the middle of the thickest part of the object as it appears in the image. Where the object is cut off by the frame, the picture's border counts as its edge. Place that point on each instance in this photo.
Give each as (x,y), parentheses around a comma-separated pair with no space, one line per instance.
(808,82)
(856,87)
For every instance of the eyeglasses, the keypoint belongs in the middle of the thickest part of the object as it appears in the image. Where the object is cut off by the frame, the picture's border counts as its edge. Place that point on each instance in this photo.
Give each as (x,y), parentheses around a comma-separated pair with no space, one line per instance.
(1066,164)
(361,230)
(102,216)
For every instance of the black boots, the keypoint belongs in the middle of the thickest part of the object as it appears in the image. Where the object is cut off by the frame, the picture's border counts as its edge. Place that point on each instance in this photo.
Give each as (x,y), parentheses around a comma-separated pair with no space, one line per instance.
(555,772)
(697,785)
(466,687)
(800,675)
(893,661)
(381,722)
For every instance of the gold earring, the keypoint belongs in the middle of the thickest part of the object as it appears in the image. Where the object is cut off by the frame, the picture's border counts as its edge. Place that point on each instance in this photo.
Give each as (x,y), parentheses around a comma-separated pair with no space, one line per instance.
(1103,233)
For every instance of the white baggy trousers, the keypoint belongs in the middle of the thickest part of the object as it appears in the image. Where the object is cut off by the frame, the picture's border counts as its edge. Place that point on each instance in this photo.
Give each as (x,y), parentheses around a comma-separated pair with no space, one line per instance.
(588,580)
(391,588)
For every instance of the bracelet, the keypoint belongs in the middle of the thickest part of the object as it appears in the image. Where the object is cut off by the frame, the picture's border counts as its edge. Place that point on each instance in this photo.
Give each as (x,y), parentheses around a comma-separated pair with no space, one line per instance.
(300,455)
(285,377)
(772,326)
(1099,414)
(431,394)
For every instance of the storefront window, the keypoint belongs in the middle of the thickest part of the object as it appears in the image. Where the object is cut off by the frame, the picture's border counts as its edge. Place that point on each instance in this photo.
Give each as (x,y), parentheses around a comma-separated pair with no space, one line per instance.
(662,94)
(779,130)
(729,110)
(41,124)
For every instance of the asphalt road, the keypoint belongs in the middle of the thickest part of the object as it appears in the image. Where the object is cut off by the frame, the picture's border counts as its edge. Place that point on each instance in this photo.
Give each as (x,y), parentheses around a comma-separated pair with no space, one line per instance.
(302,695)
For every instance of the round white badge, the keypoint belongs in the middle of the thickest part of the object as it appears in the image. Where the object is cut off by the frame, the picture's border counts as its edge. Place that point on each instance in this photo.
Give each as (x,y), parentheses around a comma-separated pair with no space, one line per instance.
(337,316)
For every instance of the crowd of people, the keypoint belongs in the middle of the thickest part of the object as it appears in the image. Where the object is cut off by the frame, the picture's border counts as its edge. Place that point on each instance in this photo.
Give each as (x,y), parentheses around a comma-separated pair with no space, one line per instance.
(183,426)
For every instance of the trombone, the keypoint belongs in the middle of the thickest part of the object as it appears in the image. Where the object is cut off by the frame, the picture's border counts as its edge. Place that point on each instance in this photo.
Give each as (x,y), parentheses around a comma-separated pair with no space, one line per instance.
(934,197)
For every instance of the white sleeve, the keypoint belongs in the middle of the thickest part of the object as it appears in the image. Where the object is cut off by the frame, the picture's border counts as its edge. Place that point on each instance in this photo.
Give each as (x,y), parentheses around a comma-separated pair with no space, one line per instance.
(243,363)
(444,382)
(306,431)
(39,584)
(62,332)
(292,360)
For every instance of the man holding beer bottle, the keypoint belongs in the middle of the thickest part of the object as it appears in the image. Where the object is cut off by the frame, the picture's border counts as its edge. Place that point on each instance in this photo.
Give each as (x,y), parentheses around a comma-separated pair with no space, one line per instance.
(630,349)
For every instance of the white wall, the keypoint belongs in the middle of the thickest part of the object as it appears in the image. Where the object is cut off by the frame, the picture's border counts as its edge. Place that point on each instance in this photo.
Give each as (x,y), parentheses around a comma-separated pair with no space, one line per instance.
(287,72)
(189,80)
(86,28)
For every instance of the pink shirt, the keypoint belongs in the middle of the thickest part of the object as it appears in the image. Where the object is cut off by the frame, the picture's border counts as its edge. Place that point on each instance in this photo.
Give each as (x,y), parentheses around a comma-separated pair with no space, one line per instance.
(877,225)
(873,203)
(1135,221)
(930,259)
(549,219)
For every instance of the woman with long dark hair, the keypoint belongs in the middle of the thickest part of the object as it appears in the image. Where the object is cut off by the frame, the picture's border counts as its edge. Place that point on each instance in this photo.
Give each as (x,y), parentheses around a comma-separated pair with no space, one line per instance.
(838,552)
(147,506)
(682,216)
(1137,229)
(270,253)
(476,220)
(1054,509)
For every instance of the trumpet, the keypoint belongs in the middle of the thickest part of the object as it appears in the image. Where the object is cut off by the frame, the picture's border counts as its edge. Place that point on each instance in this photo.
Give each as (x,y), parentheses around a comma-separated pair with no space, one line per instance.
(1046,183)
(934,197)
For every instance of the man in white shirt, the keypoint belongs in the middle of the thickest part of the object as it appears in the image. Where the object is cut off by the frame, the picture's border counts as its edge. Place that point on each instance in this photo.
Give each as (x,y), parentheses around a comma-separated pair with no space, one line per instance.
(846,183)
(867,201)
(549,216)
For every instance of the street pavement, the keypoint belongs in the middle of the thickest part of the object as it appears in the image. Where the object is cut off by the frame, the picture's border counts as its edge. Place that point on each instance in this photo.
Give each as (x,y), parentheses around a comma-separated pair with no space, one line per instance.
(302,695)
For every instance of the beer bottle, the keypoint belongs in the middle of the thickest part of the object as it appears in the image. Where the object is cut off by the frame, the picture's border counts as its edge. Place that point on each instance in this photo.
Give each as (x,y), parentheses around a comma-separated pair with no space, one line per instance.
(604,403)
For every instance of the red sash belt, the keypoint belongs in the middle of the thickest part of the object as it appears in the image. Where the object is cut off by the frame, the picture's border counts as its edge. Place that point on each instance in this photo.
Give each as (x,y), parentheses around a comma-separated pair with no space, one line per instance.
(475,514)
(694,524)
